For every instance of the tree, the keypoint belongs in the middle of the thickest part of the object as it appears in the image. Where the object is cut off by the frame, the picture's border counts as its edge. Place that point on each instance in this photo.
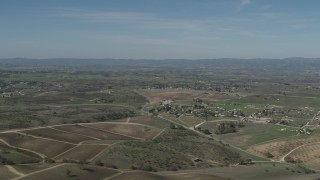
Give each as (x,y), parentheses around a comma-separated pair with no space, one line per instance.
(68,173)
(269,155)
(172,126)
(206,131)
(98,163)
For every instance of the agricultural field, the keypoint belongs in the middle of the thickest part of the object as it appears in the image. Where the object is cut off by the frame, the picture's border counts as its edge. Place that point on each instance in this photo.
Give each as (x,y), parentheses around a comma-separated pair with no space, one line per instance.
(191,121)
(81,152)
(262,171)
(10,155)
(150,120)
(159,121)
(127,129)
(280,148)
(181,95)
(254,133)
(172,118)
(313,164)
(57,135)
(5,173)
(46,147)
(94,133)
(306,153)
(30,168)
(145,175)
(70,171)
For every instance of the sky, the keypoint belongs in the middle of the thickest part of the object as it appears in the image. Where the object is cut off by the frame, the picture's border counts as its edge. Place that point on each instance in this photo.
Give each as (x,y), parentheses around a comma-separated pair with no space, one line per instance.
(159,29)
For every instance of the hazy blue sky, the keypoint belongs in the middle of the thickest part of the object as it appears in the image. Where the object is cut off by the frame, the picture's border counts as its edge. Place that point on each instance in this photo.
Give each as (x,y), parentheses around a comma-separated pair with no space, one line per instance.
(159,28)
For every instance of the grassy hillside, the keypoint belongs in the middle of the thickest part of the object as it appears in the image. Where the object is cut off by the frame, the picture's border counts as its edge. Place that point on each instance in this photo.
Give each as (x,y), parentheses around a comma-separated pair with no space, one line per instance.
(172,150)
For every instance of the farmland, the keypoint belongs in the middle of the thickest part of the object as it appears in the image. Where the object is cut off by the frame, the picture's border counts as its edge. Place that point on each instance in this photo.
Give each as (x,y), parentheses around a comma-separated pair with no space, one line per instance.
(280,148)
(168,122)
(58,135)
(130,130)
(35,144)
(15,156)
(82,152)
(254,133)
(93,133)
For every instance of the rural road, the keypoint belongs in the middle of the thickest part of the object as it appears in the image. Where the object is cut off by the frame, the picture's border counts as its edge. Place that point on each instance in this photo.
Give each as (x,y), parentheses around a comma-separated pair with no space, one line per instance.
(57,125)
(35,172)
(20,131)
(208,136)
(314,117)
(283,158)
(39,154)
(13,170)
(159,134)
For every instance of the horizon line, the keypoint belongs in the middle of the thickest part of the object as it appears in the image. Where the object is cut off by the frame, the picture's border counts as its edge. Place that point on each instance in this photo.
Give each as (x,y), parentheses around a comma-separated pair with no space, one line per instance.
(158,59)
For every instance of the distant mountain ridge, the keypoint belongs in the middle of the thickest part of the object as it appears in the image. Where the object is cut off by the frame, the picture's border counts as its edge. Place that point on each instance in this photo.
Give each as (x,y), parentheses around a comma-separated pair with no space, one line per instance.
(292,64)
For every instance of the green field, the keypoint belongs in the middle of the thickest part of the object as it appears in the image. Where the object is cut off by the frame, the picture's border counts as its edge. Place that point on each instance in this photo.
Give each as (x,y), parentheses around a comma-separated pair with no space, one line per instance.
(255,133)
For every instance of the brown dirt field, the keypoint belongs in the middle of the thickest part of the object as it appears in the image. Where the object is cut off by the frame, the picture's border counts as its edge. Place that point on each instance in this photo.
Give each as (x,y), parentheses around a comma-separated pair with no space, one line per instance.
(43,146)
(147,120)
(92,132)
(173,94)
(89,172)
(154,176)
(18,156)
(150,121)
(4,146)
(191,121)
(314,164)
(6,174)
(120,120)
(138,176)
(178,94)
(82,152)
(139,131)
(172,118)
(57,135)
(29,168)
(195,176)
(241,140)
(280,148)
(307,153)
(108,142)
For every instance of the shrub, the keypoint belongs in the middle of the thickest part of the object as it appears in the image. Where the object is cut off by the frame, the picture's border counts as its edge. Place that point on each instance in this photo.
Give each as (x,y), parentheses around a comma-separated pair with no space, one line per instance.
(206,131)
(98,163)
(109,165)
(48,160)
(269,155)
